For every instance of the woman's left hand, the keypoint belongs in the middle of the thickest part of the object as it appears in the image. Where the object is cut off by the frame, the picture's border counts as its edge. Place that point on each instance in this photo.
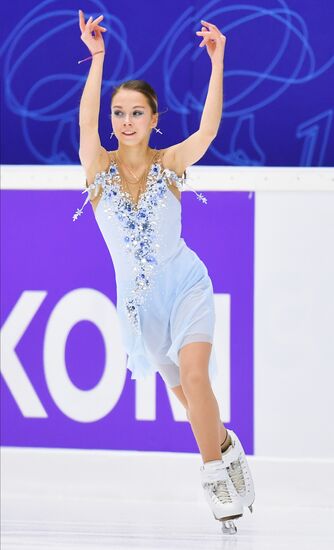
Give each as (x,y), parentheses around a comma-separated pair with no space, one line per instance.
(214,41)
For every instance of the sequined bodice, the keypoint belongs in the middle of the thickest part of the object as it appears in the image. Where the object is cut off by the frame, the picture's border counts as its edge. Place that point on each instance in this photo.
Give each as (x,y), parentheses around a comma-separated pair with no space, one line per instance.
(141,238)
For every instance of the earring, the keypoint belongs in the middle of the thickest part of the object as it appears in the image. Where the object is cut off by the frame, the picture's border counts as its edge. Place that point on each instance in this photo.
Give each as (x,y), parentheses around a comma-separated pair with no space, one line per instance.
(158,131)
(111,135)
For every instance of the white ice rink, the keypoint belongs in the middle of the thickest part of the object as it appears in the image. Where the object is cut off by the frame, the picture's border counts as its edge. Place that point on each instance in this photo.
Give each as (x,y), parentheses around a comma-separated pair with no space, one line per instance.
(100,524)
(68,500)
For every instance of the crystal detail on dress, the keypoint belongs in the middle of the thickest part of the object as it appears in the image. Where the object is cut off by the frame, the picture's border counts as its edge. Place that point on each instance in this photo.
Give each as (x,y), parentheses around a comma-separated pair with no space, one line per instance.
(140,224)
(180,182)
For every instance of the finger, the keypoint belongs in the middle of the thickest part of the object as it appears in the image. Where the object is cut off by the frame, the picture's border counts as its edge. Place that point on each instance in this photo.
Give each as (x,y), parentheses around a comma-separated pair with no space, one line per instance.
(206,40)
(89,25)
(89,21)
(205,30)
(208,24)
(212,27)
(98,33)
(93,25)
(81,21)
(203,43)
(99,30)
(97,27)
(213,30)
(98,19)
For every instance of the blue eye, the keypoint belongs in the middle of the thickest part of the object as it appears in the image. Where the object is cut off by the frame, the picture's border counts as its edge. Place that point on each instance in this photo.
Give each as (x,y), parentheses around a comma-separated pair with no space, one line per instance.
(116,113)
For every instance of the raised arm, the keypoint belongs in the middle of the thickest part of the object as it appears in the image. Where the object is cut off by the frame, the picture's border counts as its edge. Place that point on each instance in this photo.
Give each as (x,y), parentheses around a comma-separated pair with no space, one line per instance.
(193,148)
(92,155)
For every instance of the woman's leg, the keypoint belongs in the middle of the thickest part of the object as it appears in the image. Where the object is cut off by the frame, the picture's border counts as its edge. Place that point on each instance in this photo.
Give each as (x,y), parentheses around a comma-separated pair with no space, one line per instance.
(203,410)
(178,391)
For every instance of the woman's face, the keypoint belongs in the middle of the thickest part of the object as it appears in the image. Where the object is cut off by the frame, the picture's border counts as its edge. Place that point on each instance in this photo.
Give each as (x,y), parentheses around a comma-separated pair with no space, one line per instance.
(131,117)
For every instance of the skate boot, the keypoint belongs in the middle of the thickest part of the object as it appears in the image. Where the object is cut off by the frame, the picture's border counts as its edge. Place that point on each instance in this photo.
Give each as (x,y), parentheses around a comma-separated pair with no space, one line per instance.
(235,461)
(221,495)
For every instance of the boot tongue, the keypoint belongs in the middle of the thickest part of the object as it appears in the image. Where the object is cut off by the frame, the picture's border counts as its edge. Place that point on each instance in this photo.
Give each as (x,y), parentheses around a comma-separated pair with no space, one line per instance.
(212,464)
(226,450)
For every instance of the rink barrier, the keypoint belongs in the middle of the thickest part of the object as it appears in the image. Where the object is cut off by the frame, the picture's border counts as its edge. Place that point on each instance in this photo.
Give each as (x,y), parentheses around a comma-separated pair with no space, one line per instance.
(222,178)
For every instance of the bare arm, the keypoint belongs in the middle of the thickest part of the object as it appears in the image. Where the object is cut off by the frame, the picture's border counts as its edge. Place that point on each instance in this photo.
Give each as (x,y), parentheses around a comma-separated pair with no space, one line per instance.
(212,112)
(91,153)
(91,96)
(193,148)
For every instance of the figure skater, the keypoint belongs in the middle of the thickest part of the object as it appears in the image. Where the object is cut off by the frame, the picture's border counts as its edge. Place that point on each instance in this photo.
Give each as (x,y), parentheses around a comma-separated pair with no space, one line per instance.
(164,293)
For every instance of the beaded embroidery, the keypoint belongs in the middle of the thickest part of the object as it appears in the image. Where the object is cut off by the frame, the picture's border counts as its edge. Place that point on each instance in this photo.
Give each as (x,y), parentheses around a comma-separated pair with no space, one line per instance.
(140,223)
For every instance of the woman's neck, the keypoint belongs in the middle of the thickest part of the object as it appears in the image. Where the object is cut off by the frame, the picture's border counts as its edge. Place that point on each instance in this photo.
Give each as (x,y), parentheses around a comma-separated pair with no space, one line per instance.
(135,156)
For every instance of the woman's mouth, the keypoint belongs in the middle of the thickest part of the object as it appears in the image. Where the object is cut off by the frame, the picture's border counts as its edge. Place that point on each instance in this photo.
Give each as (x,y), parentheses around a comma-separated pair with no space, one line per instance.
(128,133)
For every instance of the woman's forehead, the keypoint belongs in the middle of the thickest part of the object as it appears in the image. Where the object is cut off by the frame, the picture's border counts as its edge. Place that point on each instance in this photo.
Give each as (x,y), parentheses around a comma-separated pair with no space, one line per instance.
(129,98)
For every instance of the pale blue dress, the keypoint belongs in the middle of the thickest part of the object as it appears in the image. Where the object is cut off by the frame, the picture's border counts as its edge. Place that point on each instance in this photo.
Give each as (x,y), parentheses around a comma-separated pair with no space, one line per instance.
(164,293)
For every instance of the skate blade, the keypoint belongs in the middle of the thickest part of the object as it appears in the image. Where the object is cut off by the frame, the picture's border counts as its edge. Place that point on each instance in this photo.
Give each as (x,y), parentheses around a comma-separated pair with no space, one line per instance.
(228,525)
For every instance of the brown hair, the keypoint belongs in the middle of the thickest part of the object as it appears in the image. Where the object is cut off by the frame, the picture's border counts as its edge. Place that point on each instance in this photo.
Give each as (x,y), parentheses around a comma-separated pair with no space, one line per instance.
(139,86)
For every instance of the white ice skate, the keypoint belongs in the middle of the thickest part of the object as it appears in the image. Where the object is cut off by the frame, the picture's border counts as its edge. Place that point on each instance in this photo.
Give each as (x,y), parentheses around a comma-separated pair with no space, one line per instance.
(221,495)
(234,459)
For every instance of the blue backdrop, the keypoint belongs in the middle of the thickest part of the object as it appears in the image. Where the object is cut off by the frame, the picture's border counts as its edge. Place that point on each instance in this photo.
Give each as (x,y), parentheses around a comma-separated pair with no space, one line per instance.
(278,78)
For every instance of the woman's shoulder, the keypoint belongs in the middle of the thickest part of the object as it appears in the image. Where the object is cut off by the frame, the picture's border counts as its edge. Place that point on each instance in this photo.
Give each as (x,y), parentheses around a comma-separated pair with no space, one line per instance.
(100,163)
(168,160)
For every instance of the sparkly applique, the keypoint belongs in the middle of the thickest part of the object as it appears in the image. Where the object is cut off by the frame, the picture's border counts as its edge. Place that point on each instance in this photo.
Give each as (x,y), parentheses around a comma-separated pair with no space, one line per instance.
(180,182)
(140,224)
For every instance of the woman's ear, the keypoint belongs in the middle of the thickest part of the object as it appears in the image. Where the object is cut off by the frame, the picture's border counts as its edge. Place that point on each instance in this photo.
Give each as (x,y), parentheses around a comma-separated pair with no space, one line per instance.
(155,119)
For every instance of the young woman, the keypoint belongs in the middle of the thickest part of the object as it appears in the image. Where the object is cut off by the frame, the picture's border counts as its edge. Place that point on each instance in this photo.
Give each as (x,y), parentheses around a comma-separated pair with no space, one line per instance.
(164,293)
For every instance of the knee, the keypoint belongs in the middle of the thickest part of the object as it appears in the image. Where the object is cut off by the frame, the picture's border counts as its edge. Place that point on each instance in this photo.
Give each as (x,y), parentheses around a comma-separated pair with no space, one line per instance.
(193,380)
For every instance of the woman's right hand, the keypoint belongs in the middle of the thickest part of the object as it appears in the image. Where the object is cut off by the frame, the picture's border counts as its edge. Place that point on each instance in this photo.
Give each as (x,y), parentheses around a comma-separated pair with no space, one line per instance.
(94,43)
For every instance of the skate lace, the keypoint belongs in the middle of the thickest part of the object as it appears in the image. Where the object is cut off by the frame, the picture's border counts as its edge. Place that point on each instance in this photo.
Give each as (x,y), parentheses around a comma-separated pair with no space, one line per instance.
(236,474)
(221,492)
